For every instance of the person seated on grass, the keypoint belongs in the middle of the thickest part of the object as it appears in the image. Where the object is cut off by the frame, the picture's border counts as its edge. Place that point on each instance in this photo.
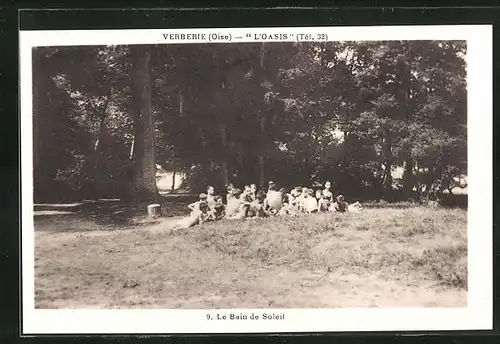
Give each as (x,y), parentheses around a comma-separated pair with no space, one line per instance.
(217,212)
(355,207)
(195,206)
(253,191)
(210,195)
(295,194)
(247,201)
(247,194)
(229,195)
(274,199)
(247,190)
(288,206)
(324,203)
(239,205)
(271,186)
(233,203)
(326,191)
(319,198)
(259,207)
(199,214)
(284,195)
(318,194)
(296,191)
(331,206)
(310,202)
(301,199)
(242,211)
(340,206)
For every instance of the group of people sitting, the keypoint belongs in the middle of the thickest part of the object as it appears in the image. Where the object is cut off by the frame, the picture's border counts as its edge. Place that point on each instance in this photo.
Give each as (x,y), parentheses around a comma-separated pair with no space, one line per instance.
(253,203)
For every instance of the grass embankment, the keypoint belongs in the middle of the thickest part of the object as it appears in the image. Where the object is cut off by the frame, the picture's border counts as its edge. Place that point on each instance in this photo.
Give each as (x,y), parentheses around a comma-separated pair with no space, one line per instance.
(377,258)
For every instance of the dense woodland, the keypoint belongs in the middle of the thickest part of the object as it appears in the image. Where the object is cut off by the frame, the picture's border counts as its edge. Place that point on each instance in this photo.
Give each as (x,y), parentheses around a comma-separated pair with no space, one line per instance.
(348,112)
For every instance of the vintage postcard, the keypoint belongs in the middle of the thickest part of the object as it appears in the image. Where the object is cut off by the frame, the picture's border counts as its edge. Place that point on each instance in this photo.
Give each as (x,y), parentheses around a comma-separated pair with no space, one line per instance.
(257,180)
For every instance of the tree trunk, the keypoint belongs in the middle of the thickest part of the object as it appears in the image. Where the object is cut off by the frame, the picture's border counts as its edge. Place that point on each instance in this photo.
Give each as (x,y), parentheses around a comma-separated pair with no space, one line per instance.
(173,178)
(262,176)
(103,129)
(261,117)
(388,162)
(223,137)
(408,177)
(144,184)
(96,162)
(181,112)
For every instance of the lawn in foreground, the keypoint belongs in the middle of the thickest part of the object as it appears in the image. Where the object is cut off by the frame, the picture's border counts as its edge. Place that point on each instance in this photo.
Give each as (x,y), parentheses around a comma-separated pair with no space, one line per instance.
(415,257)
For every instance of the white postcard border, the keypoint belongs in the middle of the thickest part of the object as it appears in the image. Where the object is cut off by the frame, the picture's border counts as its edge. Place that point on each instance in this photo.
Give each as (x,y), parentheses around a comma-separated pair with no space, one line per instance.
(479,313)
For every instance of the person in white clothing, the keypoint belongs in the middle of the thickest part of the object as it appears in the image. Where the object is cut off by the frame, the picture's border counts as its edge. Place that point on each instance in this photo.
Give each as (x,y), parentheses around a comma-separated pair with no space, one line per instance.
(310,202)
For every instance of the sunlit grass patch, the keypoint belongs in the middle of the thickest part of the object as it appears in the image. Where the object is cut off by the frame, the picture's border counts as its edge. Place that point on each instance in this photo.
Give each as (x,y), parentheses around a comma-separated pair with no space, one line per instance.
(288,261)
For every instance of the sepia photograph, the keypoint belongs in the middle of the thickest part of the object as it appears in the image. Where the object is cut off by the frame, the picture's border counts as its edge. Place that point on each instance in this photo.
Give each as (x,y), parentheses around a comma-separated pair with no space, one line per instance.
(269,175)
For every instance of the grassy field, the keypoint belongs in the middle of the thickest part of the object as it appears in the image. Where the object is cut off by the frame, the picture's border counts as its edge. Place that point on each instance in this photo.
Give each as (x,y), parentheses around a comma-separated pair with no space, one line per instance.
(413,257)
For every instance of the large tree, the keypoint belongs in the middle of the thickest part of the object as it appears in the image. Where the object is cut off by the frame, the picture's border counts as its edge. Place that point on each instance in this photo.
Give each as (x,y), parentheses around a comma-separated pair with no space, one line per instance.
(144,182)
(349,112)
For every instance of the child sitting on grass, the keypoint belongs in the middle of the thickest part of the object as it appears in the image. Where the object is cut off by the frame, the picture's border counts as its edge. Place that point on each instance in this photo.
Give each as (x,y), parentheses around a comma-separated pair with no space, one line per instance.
(217,213)
(324,203)
(239,206)
(301,199)
(310,202)
(253,191)
(229,196)
(210,195)
(327,190)
(340,206)
(259,207)
(274,199)
(355,207)
(199,214)
(288,207)
(233,202)
(195,206)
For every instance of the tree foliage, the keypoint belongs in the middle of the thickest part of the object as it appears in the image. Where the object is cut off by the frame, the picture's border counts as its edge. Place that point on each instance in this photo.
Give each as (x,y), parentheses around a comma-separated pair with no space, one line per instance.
(296,113)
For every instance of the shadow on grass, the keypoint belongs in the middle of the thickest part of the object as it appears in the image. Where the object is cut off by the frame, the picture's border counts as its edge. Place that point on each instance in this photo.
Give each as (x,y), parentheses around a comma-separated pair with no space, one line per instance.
(111,216)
